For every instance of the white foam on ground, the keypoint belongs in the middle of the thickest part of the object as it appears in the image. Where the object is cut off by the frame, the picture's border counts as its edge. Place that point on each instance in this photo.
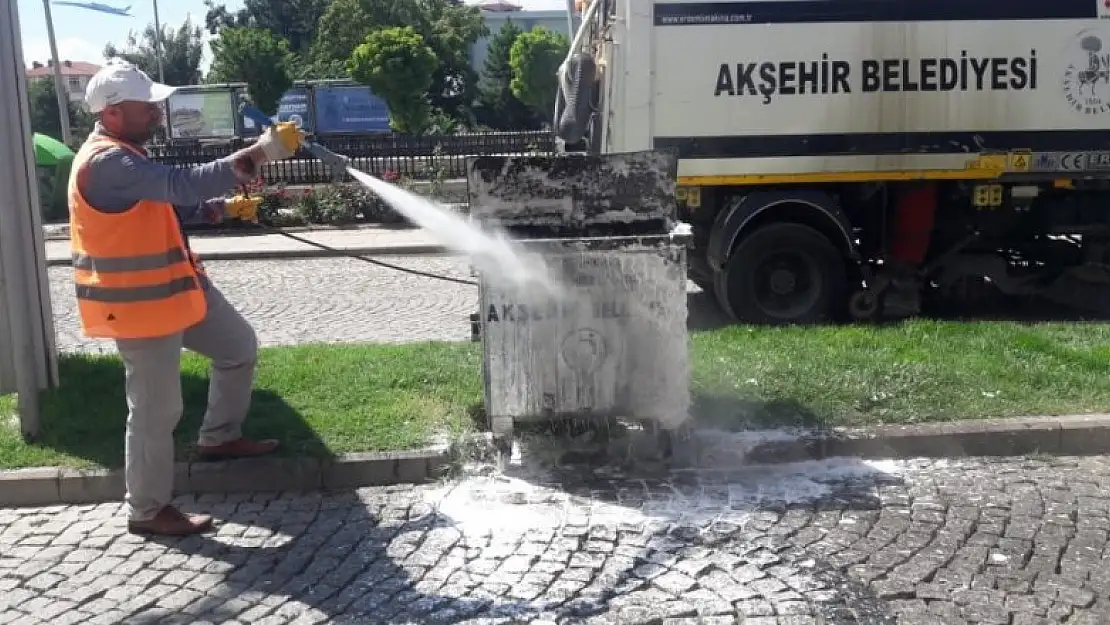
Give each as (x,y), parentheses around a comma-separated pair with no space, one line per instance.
(802,482)
(496,503)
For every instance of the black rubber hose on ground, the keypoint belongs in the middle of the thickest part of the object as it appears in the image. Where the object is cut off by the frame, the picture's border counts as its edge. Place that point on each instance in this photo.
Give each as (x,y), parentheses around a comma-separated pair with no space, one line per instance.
(367,259)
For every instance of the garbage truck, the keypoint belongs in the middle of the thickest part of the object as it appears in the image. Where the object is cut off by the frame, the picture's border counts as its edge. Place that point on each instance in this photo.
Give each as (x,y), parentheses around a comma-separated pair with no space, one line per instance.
(861,159)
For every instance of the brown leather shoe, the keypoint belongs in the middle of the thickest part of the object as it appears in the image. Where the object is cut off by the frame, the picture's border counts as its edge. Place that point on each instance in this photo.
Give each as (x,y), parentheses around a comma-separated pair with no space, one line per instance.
(172,522)
(239,448)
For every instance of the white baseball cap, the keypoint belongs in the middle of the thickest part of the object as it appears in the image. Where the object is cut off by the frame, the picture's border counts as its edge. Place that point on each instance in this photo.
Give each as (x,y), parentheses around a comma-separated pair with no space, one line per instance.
(120,81)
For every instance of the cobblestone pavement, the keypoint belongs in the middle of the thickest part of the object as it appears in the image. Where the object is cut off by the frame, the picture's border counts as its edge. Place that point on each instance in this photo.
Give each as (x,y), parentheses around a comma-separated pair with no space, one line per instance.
(330,300)
(320,300)
(998,542)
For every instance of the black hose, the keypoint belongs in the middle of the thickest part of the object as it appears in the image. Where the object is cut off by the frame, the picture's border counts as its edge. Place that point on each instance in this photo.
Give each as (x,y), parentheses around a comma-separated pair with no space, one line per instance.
(366,259)
(573,123)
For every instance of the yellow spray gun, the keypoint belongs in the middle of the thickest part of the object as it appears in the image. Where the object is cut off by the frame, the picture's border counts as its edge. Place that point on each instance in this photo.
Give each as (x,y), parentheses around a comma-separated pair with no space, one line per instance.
(245,206)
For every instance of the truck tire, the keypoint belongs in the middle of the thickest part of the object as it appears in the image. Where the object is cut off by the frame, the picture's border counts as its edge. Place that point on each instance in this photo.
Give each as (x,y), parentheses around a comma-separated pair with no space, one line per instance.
(784,273)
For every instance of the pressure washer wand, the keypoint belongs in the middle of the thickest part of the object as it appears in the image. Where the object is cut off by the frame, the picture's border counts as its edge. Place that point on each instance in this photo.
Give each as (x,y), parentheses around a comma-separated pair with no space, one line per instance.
(338,165)
(336,162)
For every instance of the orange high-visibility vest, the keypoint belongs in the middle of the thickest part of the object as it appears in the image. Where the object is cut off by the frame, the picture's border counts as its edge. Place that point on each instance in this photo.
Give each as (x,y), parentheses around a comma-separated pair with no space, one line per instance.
(134,274)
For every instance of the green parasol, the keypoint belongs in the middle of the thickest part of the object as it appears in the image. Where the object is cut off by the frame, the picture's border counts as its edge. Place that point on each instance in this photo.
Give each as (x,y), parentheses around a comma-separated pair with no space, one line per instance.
(49,151)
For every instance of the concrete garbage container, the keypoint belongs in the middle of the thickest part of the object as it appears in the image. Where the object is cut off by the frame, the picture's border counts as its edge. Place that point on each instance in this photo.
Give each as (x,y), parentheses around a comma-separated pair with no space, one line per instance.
(610,342)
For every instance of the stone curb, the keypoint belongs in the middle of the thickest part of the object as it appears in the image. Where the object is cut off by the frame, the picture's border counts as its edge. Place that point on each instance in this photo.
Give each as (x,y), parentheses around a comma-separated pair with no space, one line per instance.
(393,250)
(1070,435)
(60,485)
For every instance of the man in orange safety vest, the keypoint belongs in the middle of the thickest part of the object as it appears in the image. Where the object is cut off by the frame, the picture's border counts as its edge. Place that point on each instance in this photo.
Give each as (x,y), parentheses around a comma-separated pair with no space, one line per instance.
(138,284)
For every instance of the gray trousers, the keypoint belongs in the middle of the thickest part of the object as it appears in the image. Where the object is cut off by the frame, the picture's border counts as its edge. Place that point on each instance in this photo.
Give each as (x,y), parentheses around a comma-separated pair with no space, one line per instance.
(153,382)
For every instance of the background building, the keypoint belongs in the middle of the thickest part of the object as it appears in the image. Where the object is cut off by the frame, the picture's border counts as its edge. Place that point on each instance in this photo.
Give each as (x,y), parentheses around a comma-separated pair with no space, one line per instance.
(75,77)
(497,12)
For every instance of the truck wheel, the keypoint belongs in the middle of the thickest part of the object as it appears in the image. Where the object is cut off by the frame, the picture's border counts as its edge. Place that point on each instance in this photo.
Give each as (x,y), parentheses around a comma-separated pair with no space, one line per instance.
(780,274)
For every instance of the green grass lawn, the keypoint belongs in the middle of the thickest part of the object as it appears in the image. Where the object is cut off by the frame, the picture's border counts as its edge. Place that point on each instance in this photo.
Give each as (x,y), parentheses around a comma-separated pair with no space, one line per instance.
(908,373)
(318,400)
(322,400)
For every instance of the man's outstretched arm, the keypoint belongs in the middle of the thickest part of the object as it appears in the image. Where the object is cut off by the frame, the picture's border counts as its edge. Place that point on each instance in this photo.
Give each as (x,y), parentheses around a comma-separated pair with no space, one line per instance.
(116,179)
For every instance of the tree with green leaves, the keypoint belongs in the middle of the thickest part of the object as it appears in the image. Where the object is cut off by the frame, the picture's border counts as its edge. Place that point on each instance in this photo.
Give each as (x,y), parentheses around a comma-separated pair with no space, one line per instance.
(498,107)
(182,51)
(293,20)
(42,99)
(256,57)
(448,27)
(535,57)
(453,28)
(324,34)
(398,66)
(343,27)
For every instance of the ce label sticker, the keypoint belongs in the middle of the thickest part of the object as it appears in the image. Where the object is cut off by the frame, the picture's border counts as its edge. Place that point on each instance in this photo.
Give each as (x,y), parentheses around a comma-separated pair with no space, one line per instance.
(1073,162)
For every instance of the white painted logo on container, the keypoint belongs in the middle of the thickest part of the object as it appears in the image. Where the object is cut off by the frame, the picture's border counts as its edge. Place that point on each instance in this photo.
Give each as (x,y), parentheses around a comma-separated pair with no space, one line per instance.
(1086,81)
(585,351)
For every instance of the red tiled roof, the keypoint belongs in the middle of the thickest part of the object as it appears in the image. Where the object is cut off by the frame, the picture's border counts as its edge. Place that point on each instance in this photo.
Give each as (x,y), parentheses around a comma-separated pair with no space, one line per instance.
(69,68)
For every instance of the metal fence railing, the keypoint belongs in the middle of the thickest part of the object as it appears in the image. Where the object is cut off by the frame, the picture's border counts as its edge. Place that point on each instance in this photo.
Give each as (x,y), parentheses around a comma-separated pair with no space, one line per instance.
(416,157)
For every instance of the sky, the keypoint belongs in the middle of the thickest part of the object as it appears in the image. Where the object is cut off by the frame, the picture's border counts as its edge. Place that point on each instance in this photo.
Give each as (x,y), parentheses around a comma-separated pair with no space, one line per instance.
(81,33)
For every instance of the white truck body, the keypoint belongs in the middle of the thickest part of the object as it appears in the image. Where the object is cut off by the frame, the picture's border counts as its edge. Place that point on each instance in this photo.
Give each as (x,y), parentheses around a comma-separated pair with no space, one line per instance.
(863,158)
(774,90)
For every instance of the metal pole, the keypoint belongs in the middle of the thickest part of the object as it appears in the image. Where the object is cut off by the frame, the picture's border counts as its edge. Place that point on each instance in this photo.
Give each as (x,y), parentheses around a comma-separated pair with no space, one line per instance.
(570,19)
(59,86)
(158,43)
(15,265)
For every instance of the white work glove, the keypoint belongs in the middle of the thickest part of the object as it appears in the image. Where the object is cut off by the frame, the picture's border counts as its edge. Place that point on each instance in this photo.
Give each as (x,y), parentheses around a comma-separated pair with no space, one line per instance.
(280,141)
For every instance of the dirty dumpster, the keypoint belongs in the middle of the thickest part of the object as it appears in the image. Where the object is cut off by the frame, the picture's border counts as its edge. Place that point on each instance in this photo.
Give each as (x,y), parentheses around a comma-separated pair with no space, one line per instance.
(609,342)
